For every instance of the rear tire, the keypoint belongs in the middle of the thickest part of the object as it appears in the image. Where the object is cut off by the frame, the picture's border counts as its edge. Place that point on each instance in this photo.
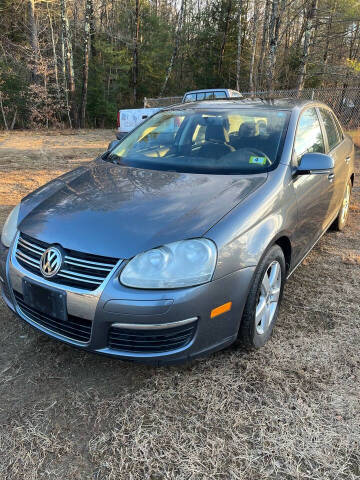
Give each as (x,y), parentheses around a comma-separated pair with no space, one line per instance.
(263,302)
(340,221)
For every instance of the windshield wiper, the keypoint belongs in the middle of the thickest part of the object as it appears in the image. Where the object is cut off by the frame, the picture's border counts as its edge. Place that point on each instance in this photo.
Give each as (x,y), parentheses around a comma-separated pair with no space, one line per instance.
(110,157)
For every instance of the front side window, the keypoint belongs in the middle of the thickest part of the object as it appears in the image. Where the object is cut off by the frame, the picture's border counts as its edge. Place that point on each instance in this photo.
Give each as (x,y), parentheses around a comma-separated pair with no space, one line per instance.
(237,141)
(330,128)
(308,137)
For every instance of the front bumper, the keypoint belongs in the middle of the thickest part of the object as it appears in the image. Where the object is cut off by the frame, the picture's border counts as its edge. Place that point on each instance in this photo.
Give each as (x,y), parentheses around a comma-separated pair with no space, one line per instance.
(134,311)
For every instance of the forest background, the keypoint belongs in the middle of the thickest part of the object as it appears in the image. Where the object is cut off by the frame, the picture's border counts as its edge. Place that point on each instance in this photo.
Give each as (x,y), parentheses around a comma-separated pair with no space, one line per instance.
(74,63)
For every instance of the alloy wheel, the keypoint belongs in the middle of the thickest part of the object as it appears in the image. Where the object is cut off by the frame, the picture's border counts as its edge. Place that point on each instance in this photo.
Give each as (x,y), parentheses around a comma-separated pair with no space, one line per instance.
(345,205)
(268,298)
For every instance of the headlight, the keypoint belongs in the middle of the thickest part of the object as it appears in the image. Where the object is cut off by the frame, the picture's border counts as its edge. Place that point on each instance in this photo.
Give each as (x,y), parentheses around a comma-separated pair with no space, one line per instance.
(9,230)
(178,264)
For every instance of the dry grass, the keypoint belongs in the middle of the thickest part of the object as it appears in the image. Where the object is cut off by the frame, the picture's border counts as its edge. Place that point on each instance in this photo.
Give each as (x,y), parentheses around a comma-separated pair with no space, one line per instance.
(289,411)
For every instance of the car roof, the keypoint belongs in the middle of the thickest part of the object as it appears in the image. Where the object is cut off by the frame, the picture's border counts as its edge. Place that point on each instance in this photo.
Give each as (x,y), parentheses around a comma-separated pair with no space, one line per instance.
(232,103)
(208,90)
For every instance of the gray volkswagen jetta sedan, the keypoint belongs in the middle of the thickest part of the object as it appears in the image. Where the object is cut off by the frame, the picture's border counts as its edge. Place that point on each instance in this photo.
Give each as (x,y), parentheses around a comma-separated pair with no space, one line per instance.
(177,241)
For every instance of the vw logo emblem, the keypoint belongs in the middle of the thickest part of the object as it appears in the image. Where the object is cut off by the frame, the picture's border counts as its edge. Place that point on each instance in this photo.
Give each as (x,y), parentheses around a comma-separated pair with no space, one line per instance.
(50,262)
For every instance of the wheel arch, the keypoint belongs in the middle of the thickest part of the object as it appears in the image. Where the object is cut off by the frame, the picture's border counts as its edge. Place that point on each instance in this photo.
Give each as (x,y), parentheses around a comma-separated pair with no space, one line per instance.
(282,239)
(285,244)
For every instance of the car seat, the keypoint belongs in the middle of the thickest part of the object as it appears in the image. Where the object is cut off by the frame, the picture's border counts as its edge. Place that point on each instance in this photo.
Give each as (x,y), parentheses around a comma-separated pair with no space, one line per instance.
(216,141)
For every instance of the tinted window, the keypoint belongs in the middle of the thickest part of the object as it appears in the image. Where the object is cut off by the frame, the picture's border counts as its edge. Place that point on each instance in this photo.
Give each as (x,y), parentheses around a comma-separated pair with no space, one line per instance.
(219,141)
(330,128)
(308,135)
(213,95)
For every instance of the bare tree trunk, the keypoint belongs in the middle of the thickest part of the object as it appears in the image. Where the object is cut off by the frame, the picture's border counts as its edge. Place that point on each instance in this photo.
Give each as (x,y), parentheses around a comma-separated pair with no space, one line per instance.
(176,47)
(351,55)
(87,42)
(34,41)
(136,51)
(46,98)
(253,48)
(275,23)
(69,61)
(13,120)
(3,112)
(223,43)
(238,53)
(92,31)
(75,22)
(54,53)
(264,41)
(285,55)
(103,13)
(309,26)
(327,44)
(65,80)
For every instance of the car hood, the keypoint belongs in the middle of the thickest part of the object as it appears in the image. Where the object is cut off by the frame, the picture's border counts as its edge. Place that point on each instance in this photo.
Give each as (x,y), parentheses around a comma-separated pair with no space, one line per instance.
(119,211)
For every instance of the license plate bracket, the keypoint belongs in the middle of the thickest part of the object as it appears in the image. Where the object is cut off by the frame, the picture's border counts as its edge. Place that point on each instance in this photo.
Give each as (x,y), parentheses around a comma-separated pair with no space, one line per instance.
(47,300)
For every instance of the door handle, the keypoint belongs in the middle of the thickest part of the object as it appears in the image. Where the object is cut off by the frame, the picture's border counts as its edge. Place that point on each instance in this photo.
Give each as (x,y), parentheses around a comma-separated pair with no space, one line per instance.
(331,177)
(347,159)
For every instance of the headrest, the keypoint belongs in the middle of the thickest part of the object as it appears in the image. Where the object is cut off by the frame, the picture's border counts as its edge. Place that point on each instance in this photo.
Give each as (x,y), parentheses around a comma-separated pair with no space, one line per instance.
(247,129)
(215,131)
(262,128)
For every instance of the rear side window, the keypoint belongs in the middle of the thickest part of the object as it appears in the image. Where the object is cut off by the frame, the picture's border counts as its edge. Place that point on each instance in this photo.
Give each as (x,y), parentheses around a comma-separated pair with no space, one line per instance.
(330,128)
(309,136)
(213,95)
(192,97)
(339,129)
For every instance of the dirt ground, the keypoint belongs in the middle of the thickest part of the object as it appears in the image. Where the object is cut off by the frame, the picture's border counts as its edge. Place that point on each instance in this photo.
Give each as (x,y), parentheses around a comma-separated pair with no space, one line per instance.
(288,411)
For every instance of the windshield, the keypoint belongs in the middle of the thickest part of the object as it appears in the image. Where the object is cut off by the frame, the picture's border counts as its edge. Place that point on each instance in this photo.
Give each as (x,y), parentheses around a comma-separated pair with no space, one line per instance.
(246,140)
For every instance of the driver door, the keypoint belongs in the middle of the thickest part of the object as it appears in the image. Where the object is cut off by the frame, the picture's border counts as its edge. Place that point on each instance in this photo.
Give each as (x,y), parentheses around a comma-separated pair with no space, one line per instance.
(313,191)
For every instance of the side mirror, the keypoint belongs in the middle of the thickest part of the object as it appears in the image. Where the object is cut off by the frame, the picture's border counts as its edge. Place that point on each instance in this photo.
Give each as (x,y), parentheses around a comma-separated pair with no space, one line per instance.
(315,163)
(112,145)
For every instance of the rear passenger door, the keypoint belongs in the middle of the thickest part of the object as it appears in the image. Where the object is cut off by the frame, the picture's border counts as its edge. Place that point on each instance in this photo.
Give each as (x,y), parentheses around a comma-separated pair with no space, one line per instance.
(314,191)
(336,149)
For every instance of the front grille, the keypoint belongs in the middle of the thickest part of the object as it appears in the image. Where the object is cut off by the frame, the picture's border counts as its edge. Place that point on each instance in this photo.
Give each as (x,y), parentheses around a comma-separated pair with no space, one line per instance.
(151,341)
(79,269)
(74,328)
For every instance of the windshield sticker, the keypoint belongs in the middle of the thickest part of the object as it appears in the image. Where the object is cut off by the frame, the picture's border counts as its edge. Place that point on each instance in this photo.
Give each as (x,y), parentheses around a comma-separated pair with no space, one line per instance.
(257,160)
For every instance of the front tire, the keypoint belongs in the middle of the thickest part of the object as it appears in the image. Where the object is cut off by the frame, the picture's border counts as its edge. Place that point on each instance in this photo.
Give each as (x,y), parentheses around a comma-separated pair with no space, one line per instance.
(341,219)
(263,302)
